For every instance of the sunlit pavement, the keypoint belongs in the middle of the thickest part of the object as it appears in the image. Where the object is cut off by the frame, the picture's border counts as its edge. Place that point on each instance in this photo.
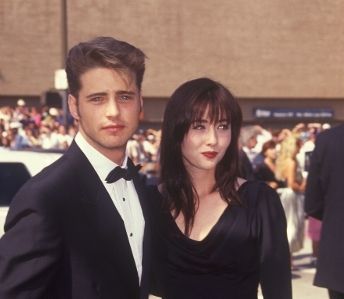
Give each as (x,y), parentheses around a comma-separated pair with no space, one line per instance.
(303,274)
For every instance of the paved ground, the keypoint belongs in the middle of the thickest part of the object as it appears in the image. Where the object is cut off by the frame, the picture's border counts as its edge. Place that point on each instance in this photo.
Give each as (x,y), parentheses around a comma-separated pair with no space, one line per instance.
(303,276)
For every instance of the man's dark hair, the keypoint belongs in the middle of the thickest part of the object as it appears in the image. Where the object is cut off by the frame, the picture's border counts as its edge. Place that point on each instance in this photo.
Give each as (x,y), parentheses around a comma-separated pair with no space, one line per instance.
(187,104)
(103,52)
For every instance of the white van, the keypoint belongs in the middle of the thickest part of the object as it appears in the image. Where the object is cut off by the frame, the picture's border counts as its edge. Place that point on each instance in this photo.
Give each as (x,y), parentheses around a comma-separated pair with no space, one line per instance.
(16,167)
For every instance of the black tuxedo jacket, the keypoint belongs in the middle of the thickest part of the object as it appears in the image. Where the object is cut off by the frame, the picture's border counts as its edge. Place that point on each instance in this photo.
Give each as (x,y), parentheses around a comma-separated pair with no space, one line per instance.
(325,200)
(65,239)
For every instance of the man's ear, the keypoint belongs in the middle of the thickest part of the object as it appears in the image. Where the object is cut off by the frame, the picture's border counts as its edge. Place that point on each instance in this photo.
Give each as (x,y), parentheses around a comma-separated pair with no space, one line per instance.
(141,103)
(73,106)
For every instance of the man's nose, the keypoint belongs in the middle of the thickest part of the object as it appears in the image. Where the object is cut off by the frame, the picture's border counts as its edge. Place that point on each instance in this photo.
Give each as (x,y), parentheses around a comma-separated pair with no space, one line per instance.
(112,109)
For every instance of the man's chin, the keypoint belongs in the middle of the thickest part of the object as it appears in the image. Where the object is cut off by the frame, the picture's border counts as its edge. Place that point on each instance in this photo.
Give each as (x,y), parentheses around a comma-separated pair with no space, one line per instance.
(114,145)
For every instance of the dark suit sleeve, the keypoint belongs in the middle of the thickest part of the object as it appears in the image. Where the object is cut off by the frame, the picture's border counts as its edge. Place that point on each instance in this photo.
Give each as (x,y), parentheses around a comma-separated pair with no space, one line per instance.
(30,247)
(158,250)
(275,275)
(314,195)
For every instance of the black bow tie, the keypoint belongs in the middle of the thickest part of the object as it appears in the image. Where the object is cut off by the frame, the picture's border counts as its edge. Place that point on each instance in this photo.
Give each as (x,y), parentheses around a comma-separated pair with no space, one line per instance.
(122,173)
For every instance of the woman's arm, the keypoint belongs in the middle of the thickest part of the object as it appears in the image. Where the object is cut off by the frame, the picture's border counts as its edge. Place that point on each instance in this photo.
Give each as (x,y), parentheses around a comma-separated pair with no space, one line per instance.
(275,273)
(291,177)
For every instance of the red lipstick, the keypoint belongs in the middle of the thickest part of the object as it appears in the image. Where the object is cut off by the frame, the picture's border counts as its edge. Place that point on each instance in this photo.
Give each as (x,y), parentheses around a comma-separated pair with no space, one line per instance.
(210,155)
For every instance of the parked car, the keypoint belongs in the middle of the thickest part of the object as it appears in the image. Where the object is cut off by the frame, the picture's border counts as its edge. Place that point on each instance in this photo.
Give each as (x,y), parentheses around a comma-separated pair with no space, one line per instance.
(16,167)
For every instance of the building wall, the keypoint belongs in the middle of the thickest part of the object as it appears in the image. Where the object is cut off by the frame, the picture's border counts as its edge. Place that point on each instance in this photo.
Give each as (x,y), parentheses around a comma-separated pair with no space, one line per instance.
(267,48)
(259,49)
(30,46)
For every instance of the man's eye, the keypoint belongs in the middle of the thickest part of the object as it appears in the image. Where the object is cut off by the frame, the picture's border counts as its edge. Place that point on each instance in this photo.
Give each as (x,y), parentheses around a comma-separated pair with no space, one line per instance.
(96,99)
(124,98)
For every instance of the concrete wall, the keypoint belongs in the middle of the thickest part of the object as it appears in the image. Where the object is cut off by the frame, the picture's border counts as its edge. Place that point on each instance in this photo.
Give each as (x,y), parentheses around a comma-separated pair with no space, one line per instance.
(266,48)
(30,45)
(259,49)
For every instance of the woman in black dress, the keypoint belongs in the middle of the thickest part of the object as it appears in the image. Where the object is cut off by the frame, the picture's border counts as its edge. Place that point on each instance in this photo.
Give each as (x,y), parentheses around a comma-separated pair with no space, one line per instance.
(265,171)
(219,235)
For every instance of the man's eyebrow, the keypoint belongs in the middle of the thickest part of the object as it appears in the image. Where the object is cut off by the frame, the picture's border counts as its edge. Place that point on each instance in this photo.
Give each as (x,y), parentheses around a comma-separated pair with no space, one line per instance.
(128,92)
(96,94)
(119,92)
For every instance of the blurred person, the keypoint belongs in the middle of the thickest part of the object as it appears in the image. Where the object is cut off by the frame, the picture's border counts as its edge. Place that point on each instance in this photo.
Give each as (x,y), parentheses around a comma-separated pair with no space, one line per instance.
(6,116)
(5,140)
(36,116)
(133,149)
(57,136)
(220,235)
(19,138)
(19,111)
(262,137)
(79,229)
(245,166)
(292,196)
(150,147)
(265,171)
(2,125)
(33,140)
(63,139)
(142,155)
(314,233)
(307,148)
(325,126)
(248,140)
(72,130)
(45,137)
(324,201)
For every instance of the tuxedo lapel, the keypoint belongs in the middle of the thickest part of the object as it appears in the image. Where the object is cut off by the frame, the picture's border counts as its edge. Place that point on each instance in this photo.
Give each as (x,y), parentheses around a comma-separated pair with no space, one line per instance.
(146,260)
(102,217)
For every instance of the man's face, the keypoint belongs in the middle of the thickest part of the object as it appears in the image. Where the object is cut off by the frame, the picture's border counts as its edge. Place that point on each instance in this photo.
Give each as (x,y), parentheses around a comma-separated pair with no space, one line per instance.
(107,110)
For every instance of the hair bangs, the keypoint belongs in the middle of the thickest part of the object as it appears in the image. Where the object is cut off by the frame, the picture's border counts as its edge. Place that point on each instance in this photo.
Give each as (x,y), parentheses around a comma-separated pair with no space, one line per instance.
(211,104)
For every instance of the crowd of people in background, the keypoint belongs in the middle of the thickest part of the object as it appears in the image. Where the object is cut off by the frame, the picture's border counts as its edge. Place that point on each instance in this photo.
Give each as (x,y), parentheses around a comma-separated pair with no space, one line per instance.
(281,158)
(46,128)
(278,157)
(23,127)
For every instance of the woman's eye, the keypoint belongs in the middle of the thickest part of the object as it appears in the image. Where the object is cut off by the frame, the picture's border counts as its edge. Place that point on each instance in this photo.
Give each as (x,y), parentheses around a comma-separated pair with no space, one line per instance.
(223,126)
(197,126)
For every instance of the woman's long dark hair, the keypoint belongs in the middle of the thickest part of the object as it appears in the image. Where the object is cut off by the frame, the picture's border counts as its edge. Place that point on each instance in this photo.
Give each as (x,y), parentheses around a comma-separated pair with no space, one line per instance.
(187,104)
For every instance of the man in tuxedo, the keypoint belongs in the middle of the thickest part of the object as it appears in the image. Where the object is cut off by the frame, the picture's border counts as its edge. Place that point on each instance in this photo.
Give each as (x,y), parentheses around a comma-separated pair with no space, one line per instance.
(80,228)
(324,200)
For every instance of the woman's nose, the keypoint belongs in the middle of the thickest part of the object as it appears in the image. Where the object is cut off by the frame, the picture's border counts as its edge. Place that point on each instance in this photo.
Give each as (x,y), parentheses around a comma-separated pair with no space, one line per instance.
(212,136)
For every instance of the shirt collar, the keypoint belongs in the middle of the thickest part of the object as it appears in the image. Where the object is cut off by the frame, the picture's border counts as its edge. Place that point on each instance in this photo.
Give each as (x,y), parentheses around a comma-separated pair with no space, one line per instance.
(100,163)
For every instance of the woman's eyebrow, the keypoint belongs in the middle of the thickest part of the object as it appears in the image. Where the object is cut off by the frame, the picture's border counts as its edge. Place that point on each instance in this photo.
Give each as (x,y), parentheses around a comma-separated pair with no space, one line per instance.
(223,120)
(200,120)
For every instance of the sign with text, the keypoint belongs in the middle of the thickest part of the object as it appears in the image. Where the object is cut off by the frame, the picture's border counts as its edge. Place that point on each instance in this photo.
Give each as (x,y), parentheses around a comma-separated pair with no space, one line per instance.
(293,112)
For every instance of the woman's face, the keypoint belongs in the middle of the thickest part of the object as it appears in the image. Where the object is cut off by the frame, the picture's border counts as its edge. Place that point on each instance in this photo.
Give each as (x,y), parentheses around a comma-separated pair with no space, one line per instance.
(205,144)
(271,153)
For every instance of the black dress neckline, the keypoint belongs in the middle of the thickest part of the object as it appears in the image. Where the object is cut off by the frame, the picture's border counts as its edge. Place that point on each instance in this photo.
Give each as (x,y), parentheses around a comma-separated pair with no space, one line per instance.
(212,231)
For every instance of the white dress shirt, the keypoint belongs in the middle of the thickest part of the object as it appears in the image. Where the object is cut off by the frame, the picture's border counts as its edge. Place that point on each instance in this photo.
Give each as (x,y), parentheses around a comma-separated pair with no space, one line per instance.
(123,195)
